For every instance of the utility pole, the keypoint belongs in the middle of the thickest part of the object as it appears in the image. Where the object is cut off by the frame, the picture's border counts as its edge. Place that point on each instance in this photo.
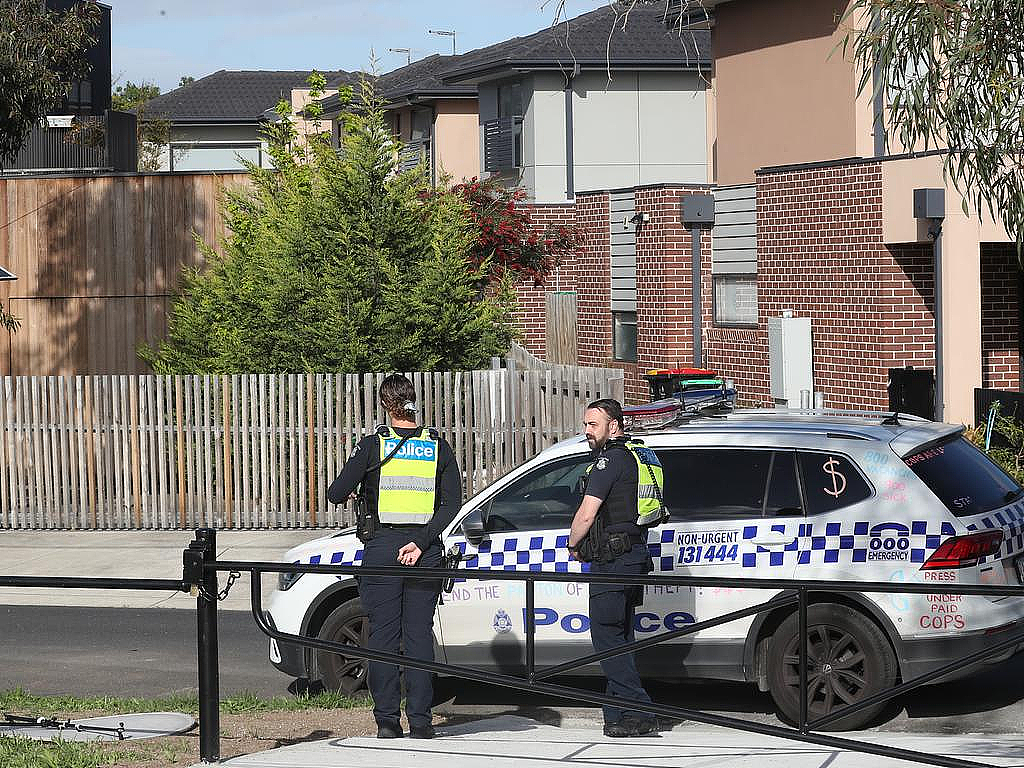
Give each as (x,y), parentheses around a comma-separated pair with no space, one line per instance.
(406,51)
(445,33)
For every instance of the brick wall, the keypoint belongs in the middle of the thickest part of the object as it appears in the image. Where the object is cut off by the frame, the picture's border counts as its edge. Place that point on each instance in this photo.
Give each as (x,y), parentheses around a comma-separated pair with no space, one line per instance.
(593,281)
(531,308)
(820,254)
(1000,317)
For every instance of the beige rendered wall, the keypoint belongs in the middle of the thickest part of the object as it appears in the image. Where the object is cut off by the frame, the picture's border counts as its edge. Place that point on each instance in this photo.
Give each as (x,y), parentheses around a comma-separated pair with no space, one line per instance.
(456,139)
(783,92)
(962,235)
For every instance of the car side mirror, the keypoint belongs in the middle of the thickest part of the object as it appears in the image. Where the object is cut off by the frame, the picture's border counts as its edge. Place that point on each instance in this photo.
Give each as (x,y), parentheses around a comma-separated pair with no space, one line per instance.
(473,527)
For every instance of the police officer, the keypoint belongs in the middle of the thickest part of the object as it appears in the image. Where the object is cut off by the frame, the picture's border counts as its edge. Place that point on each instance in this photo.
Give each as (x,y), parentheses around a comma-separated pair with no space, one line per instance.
(412,489)
(622,496)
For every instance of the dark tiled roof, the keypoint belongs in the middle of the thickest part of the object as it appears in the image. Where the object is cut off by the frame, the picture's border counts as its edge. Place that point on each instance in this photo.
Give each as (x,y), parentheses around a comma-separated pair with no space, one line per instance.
(420,78)
(646,40)
(230,95)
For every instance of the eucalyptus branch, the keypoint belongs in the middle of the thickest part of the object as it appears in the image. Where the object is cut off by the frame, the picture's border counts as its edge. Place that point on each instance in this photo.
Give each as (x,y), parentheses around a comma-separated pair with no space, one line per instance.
(952,75)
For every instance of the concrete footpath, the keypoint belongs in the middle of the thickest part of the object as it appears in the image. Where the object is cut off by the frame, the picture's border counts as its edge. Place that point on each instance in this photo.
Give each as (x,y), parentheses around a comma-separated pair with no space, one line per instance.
(510,741)
(130,554)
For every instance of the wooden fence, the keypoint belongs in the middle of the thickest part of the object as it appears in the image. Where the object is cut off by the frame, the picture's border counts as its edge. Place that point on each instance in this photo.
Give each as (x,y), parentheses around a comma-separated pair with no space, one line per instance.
(251,451)
(98,260)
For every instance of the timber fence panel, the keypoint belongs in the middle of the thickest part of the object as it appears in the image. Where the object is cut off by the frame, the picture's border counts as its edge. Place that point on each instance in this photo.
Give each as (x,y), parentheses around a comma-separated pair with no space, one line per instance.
(156,452)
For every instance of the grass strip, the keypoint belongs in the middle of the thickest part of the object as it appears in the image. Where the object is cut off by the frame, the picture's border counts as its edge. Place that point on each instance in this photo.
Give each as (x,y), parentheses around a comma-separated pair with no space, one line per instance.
(19,752)
(19,702)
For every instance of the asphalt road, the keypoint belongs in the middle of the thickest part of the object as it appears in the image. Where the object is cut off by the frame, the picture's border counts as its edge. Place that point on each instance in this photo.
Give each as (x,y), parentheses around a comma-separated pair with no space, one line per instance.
(152,651)
(127,652)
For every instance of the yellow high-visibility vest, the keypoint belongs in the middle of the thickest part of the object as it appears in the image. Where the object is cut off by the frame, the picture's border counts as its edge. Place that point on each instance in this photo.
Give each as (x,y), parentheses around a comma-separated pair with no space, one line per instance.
(408,480)
(650,481)
(649,506)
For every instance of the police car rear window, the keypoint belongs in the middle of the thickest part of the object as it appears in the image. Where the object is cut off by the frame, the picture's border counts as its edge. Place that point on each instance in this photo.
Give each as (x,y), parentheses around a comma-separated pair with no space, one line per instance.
(963,478)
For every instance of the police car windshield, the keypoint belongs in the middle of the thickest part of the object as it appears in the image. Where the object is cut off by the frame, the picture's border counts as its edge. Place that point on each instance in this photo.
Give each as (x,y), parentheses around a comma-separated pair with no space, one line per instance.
(963,478)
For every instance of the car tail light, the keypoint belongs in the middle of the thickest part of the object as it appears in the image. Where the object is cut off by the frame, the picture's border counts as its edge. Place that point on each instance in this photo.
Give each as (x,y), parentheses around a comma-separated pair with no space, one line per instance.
(964,551)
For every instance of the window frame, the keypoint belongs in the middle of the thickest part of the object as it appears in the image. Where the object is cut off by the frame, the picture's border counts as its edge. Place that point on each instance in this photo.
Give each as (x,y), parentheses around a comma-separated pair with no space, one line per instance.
(717,319)
(616,352)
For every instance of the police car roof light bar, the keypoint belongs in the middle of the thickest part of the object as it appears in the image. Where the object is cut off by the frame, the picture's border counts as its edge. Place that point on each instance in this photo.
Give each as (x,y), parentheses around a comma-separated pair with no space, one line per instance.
(665,413)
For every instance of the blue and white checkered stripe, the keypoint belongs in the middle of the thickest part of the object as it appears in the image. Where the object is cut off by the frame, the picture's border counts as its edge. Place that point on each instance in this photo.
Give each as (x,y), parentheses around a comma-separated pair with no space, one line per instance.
(813,543)
(547,551)
(1011,520)
(344,557)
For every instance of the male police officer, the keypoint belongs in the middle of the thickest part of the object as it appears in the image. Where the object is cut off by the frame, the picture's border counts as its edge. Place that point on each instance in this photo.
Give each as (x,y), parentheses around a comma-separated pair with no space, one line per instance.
(413,489)
(622,496)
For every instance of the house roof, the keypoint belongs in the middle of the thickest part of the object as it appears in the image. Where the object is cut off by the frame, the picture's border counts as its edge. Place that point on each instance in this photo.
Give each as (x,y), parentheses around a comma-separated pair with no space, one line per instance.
(594,39)
(234,96)
(415,81)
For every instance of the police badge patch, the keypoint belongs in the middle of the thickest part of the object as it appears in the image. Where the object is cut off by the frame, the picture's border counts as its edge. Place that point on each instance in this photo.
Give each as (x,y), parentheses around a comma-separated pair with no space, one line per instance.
(502,622)
(602,463)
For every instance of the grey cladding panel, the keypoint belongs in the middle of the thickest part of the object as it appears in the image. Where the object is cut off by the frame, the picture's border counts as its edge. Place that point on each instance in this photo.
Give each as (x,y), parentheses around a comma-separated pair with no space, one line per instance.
(623,251)
(732,206)
(745,191)
(734,239)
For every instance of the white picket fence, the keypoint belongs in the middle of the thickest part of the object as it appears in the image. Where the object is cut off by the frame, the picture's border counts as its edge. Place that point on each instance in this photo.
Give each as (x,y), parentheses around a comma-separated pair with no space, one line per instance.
(252,451)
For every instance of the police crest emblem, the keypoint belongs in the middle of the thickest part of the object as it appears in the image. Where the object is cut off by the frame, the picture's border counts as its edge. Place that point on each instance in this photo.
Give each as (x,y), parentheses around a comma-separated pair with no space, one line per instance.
(502,622)
(602,463)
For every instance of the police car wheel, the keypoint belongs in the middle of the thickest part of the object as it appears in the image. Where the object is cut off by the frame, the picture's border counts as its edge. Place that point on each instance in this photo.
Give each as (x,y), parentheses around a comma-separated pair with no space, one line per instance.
(849,659)
(348,625)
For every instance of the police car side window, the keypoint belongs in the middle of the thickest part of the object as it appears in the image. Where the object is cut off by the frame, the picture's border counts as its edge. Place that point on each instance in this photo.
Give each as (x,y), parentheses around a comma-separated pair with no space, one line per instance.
(542,499)
(715,483)
(831,481)
(783,487)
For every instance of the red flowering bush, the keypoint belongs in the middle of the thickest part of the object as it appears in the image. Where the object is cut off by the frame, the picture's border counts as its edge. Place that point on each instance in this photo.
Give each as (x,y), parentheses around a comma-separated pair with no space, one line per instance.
(509,240)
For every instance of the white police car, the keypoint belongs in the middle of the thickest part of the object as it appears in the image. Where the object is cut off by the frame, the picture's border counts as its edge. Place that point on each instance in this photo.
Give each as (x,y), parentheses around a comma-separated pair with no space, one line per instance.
(768,494)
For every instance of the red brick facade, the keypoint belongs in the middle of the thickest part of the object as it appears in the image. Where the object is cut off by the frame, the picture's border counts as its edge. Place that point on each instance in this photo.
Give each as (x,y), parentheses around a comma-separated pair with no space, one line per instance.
(1000,317)
(820,254)
(530,313)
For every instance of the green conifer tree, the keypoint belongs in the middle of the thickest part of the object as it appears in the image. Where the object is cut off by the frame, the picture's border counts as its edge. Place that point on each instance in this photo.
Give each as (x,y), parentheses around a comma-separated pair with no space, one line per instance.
(337,262)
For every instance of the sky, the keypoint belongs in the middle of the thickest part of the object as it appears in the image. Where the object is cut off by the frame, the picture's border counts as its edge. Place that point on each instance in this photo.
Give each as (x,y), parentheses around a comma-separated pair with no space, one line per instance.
(159,41)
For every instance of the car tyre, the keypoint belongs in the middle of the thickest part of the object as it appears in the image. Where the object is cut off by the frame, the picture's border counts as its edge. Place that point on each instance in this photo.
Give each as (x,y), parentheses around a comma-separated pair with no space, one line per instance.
(849,659)
(347,624)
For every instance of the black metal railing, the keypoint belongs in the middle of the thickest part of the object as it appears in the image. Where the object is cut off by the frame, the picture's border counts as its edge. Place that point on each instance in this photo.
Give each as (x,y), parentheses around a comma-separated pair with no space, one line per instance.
(200,567)
(90,143)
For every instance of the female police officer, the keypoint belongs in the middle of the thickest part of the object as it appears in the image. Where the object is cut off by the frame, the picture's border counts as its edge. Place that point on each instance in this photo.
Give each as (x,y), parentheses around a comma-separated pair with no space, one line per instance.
(412,489)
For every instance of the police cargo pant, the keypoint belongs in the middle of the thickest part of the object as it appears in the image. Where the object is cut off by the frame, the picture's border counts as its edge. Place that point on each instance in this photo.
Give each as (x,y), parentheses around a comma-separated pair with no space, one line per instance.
(612,613)
(401,615)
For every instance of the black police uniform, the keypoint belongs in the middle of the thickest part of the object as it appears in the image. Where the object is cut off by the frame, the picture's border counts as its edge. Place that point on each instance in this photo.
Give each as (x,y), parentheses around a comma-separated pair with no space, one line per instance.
(614,478)
(400,610)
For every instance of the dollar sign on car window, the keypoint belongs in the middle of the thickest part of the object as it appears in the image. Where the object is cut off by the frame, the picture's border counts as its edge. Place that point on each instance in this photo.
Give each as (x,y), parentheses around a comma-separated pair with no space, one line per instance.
(838,480)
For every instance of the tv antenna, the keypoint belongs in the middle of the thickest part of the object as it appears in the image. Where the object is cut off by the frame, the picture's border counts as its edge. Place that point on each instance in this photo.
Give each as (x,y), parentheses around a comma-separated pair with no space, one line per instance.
(445,33)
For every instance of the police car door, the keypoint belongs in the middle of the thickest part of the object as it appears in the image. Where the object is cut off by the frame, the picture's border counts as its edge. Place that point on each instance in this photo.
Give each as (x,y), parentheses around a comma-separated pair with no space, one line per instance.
(526,527)
(735,512)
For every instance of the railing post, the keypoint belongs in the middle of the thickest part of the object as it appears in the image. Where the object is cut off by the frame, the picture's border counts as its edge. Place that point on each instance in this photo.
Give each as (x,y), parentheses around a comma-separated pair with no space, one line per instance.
(209,667)
(530,629)
(802,632)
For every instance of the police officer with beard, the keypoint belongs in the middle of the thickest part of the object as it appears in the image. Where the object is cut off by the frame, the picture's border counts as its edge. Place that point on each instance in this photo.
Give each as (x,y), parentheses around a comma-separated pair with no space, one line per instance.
(622,498)
(412,489)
